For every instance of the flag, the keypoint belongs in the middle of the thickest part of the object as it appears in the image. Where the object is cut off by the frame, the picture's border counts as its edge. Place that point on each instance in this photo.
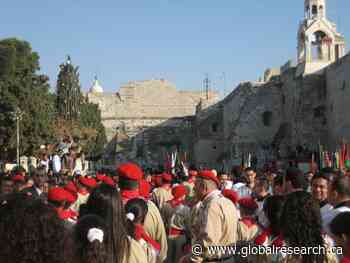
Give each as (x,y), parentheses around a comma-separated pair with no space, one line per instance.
(249,162)
(327,160)
(167,163)
(313,164)
(337,160)
(320,156)
(173,161)
(341,157)
(184,168)
(345,156)
(242,162)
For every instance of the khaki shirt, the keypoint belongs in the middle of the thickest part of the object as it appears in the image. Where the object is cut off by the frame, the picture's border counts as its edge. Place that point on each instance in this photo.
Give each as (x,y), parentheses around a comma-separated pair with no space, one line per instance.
(160,196)
(216,224)
(154,227)
(246,233)
(82,199)
(137,253)
(150,251)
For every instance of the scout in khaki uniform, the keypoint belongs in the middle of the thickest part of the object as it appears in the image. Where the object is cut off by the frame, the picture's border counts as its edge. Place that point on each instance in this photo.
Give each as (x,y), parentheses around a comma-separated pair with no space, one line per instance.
(163,194)
(216,222)
(248,228)
(137,253)
(136,210)
(129,177)
(175,212)
(85,187)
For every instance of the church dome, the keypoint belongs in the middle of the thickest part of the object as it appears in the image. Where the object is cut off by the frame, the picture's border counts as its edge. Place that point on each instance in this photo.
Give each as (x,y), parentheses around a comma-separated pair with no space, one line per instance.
(96,87)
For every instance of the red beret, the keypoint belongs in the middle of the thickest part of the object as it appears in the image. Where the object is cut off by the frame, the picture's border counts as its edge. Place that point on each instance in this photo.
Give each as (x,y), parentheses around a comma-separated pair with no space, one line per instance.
(192,173)
(231,194)
(18,178)
(57,194)
(179,191)
(144,189)
(167,177)
(71,197)
(108,180)
(130,171)
(100,177)
(157,180)
(89,182)
(209,175)
(71,187)
(248,202)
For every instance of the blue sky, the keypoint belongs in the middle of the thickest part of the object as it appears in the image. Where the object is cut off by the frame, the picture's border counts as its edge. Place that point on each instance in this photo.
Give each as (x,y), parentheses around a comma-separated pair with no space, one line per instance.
(179,40)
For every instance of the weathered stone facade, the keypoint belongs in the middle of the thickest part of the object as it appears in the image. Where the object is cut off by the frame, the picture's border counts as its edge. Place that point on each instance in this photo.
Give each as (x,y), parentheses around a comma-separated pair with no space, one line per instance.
(294,109)
(287,114)
(147,119)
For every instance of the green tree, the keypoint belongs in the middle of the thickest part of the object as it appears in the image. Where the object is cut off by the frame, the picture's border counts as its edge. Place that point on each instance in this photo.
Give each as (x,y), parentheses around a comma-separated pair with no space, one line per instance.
(22,87)
(84,117)
(69,97)
(90,118)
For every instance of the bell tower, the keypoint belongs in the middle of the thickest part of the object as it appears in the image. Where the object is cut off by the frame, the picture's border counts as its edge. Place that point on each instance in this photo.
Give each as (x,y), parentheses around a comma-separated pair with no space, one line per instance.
(319,43)
(315,9)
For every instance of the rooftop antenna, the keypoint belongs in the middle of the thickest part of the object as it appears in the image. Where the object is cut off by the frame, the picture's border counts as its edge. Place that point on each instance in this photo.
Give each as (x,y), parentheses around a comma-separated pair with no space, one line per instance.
(206,83)
(224,79)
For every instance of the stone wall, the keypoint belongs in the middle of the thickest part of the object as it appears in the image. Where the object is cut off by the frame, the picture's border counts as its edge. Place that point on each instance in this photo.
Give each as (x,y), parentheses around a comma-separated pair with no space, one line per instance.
(338,101)
(209,136)
(142,112)
(255,123)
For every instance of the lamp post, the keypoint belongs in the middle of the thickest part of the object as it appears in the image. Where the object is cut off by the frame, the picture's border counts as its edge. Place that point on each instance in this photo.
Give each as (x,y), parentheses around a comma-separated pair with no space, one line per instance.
(17,115)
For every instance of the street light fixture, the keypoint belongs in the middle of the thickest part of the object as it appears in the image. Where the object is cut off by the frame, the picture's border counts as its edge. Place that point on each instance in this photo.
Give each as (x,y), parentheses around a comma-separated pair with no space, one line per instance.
(17,116)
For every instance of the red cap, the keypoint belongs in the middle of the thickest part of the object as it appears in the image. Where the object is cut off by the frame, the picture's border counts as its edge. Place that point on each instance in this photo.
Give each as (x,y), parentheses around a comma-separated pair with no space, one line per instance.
(88,182)
(100,177)
(179,191)
(157,180)
(57,194)
(71,187)
(167,178)
(192,173)
(130,171)
(18,178)
(108,180)
(71,197)
(144,189)
(248,202)
(209,175)
(231,194)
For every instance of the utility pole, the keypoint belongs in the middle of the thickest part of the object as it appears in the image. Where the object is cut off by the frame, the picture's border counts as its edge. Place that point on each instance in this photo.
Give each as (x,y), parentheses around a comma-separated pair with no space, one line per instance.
(17,115)
(224,79)
(207,85)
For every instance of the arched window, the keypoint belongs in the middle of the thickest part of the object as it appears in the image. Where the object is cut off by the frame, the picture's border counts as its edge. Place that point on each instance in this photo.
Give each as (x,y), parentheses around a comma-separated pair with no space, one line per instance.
(318,50)
(314,10)
(321,9)
(214,127)
(267,118)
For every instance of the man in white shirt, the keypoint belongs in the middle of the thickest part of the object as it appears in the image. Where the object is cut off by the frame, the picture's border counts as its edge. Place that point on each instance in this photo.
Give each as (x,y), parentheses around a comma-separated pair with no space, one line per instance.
(339,197)
(319,189)
(56,162)
(225,182)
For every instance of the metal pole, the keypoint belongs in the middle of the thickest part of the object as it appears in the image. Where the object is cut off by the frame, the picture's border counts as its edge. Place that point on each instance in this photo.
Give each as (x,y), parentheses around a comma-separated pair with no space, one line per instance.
(17,119)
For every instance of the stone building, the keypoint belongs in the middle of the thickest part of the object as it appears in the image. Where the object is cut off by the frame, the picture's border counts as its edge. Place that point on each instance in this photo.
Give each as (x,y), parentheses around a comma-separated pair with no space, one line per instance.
(285,115)
(146,120)
(319,43)
(293,109)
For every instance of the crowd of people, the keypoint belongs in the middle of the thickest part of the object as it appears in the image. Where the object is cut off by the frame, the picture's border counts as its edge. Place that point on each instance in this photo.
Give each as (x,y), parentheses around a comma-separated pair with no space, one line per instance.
(132,216)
